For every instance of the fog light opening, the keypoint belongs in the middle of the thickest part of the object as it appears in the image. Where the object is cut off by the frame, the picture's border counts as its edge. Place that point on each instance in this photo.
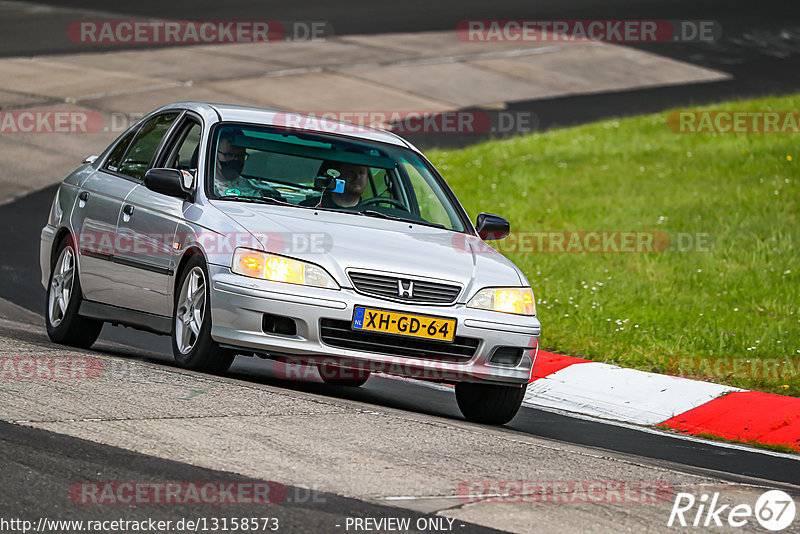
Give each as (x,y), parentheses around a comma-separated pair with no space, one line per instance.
(277,324)
(509,356)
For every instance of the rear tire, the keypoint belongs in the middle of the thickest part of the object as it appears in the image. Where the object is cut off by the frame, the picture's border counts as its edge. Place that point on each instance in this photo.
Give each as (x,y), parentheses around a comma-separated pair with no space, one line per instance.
(192,345)
(341,376)
(489,403)
(63,301)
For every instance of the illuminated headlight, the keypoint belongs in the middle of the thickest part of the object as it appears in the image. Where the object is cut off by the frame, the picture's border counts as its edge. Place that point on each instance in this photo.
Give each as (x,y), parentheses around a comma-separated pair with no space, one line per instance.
(518,300)
(279,269)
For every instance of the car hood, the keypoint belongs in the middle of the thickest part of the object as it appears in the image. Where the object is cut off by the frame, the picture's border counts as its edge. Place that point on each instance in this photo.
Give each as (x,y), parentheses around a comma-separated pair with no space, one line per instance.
(340,241)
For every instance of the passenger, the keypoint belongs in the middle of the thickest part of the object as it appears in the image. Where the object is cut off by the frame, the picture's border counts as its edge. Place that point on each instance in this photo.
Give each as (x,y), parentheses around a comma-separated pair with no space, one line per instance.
(355,178)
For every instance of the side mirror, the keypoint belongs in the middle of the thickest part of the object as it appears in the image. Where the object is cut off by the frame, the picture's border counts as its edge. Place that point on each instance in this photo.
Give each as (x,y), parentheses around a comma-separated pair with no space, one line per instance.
(90,159)
(170,182)
(492,227)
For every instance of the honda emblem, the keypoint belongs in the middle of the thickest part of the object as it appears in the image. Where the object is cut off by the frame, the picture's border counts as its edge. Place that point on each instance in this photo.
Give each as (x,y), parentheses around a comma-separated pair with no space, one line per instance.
(405,292)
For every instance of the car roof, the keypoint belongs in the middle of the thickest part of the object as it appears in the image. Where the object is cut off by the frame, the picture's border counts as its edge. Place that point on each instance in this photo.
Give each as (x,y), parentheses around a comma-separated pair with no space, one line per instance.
(275,117)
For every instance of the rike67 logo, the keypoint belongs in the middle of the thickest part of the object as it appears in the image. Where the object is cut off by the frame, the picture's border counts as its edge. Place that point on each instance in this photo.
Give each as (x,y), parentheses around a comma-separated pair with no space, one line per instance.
(774,510)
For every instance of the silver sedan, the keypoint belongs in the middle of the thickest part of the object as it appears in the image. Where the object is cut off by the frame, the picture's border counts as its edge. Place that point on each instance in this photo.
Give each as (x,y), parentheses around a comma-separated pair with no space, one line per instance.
(319,245)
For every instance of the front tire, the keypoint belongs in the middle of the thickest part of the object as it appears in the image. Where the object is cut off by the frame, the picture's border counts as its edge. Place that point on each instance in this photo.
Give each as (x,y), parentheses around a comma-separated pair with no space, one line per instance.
(489,403)
(192,345)
(64,296)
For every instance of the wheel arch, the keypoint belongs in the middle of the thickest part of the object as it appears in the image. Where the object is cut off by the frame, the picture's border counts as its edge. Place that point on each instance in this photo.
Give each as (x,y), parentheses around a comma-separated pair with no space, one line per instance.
(191,252)
(61,234)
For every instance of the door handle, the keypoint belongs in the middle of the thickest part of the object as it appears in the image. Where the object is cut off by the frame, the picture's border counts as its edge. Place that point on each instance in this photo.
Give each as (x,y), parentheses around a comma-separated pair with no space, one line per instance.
(84,196)
(128,210)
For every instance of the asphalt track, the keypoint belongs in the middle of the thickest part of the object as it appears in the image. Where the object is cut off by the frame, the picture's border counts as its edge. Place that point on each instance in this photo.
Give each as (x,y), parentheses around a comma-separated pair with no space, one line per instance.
(41,467)
(760,47)
(23,219)
(349,17)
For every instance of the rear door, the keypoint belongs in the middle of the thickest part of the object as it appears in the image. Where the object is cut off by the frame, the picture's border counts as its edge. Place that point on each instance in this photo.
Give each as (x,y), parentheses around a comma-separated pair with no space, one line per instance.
(95,219)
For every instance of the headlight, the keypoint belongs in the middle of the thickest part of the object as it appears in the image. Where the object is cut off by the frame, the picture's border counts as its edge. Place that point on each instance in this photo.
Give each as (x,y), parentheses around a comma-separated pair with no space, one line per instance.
(518,300)
(279,269)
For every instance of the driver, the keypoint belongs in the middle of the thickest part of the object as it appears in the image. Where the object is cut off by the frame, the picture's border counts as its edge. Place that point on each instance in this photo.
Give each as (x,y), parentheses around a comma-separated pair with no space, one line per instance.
(228,180)
(355,182)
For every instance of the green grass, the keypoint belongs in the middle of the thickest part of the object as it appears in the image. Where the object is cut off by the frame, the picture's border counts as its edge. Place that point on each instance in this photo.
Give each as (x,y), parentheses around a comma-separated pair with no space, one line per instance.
(731,314)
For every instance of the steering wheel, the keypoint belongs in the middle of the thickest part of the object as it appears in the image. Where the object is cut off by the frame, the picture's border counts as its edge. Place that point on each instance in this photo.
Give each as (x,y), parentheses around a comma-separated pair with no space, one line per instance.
(266,190)
(382,200)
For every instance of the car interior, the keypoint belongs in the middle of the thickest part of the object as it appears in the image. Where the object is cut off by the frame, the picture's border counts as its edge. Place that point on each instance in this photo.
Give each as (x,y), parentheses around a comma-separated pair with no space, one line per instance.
(299,168)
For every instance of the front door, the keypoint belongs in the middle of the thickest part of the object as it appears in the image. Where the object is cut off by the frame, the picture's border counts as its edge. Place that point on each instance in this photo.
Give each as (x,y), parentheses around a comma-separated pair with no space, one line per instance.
(147,226)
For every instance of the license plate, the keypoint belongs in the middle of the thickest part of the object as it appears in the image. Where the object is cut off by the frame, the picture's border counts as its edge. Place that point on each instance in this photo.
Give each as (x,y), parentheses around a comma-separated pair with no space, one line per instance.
(404,324)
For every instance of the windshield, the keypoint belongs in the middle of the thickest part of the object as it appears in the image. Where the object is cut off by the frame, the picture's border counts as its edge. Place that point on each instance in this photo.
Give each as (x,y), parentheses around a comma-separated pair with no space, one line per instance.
(254,163)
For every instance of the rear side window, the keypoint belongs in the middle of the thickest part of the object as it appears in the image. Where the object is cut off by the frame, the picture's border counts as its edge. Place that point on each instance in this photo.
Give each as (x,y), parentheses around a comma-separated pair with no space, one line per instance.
(144,145)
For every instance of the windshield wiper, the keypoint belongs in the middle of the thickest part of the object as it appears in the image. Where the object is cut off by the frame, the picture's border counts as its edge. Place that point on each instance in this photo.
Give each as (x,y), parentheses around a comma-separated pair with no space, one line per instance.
(263,200)
(382,215)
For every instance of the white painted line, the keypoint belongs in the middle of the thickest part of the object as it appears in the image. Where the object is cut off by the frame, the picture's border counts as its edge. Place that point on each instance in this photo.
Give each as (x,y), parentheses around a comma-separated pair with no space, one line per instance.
(612,392)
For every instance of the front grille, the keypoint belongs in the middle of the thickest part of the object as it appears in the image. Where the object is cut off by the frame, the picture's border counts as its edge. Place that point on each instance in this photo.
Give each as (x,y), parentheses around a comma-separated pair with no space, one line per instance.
(339,334)
(386,286)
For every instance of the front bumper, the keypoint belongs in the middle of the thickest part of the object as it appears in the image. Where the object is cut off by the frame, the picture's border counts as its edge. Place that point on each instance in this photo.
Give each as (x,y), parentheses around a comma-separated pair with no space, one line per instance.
(238,304)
